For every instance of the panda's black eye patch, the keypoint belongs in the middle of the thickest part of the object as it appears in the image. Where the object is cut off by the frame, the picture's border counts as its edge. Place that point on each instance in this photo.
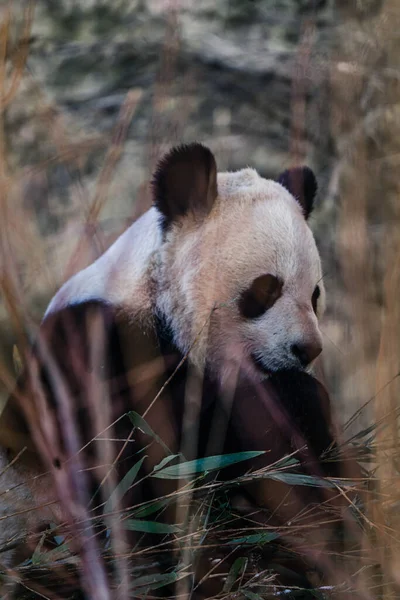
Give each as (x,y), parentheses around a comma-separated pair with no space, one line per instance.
(314,298)
(260,296)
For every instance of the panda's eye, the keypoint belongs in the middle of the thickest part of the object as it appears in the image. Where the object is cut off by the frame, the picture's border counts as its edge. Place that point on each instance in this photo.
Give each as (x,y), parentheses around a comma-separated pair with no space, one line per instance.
(314,298)
(260,296)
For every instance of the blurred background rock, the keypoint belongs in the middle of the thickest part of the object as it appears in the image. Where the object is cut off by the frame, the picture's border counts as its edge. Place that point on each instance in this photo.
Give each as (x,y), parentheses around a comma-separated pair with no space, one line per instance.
(109,85)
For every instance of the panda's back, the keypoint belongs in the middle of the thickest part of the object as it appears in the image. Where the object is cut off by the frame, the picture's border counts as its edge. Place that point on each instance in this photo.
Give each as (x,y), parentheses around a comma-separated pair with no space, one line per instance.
(119,276)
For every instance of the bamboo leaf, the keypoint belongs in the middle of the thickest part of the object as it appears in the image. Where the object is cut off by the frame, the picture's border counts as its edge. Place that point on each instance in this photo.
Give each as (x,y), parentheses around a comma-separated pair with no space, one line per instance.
(287,461)
(149,526)
(123,486)
(151,508)
(139,422)
(307,480)
(238,567)
(257,538)
(142,585)
(300,479)
(204,465)
(165,461)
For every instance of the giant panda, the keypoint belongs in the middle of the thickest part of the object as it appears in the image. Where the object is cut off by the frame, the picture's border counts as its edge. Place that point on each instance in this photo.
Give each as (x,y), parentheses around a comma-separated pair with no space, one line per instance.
(226,260)
(213,296)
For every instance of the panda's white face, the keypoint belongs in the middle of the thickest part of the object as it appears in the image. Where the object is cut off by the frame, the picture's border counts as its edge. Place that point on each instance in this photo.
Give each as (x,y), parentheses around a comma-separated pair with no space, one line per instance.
(244,284)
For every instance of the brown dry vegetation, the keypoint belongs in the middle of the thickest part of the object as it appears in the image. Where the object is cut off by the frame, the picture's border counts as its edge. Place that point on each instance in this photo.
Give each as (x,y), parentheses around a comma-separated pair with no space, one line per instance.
(362,327)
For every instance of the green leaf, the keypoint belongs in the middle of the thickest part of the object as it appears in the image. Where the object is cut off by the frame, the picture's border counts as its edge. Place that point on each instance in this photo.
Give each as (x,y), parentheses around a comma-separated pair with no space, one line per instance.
(142,585)
(38,556)
(138,421)
(165,461)
(257,538)
(123,486)
(151,508)
(238,567)
(149,526)
(59,539)
(300,479)
(56,553)
(361,434)
(203,465)
(286,461)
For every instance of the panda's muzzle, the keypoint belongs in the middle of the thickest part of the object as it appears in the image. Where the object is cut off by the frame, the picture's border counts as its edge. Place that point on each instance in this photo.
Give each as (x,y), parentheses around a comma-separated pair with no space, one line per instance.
(306,353)
(302,355)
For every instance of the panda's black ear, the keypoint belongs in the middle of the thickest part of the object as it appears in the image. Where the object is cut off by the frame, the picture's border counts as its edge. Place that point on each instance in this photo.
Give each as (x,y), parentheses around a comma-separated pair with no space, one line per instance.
(185,181)
(301,183)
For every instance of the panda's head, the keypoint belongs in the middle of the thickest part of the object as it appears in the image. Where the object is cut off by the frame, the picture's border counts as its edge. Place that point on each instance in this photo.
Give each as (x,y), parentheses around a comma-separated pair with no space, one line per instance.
(238,275)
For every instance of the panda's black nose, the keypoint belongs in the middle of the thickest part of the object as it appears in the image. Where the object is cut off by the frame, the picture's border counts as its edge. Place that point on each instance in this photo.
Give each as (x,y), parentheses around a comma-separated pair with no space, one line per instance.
(306,353)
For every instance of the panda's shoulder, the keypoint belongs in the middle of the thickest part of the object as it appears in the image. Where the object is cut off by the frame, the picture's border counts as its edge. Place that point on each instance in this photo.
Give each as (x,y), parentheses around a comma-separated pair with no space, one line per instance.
(119,276)
(77,335)
(86,326)
(83,334)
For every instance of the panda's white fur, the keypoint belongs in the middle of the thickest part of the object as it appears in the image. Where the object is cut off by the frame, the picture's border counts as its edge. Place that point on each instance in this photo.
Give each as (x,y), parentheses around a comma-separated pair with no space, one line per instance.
(194,275)
(120,276)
